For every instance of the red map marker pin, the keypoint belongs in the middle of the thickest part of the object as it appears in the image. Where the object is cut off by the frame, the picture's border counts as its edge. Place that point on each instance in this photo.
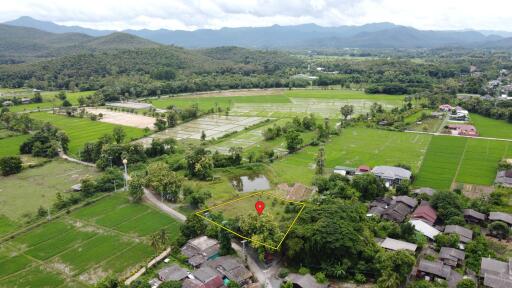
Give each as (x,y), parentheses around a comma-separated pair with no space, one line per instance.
(259,206)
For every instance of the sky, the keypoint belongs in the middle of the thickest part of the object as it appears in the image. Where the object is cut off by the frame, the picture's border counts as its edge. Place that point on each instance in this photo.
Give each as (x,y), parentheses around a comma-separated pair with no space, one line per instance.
(215,14)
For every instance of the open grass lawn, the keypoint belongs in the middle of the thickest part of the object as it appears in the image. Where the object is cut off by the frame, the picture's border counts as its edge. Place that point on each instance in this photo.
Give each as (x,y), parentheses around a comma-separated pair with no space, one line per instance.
(49,101)
(464,160)
(11,146)
(77,250)
(83,130)
(354,147)
(488,127)
(34,187)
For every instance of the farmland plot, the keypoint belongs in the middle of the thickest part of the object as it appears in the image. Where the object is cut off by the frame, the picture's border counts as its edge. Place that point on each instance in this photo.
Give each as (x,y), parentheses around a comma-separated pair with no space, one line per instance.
(123,118)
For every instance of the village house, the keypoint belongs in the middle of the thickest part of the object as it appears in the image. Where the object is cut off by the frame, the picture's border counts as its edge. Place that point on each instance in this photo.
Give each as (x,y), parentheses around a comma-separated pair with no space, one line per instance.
(231,268)
(451,256)
(7,103)
(473,216)
(200,249)
(424,190)
(345,171)
(392,175)
(363,169)
(458,114)
(26,100)
(425,212)
(208,277)
(501,216)
(465,234)
(432,270)
(462,130)
(395,245)
(425,229)
(445,108)
(399,209)
(172,273)
(504,178)
(496,274)
(378,206)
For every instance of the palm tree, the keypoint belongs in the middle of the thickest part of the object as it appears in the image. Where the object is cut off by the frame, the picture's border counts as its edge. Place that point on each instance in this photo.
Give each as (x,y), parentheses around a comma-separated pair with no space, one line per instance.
(389,279)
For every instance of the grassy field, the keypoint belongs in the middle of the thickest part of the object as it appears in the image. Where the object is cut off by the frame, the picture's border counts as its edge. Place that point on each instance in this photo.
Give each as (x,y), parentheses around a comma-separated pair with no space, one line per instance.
(11,146)
(354,147)
(488,127)
(49,101)
(205,103)
(83,130)
(27,191)
(105,238)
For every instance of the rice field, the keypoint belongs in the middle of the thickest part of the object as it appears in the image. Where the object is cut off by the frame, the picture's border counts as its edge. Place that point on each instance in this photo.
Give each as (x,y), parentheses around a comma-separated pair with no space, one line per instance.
(77,250)
(83,130)
(10,146)
(488,127)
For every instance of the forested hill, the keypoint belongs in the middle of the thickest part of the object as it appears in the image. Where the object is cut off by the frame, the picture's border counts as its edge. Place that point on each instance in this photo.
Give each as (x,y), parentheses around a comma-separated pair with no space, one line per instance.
(22,43)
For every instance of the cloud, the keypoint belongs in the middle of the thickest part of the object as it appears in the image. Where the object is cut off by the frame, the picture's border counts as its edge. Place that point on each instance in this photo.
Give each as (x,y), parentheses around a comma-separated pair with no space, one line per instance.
(194,14)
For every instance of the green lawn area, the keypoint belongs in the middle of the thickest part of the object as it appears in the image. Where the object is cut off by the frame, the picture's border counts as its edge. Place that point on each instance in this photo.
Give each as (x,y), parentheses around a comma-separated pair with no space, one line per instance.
(77,251)
(11,146)
(354,147)
(205,103)
(83,130)
(488,127)
(49,100)
(34,187)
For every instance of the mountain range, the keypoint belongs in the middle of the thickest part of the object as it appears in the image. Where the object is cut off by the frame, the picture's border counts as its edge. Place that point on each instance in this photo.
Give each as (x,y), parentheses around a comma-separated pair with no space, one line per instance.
(307,36)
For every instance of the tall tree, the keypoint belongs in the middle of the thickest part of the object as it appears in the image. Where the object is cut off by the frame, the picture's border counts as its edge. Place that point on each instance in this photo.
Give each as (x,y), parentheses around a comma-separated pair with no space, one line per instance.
(119,134)
(320,161)
(346,111)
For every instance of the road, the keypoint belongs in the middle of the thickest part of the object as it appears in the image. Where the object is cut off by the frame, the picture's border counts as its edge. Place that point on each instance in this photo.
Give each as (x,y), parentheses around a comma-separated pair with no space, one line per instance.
(70,159)
(164,208)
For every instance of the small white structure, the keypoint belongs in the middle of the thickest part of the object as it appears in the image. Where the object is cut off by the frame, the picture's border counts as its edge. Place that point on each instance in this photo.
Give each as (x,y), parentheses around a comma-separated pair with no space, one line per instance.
(425,228)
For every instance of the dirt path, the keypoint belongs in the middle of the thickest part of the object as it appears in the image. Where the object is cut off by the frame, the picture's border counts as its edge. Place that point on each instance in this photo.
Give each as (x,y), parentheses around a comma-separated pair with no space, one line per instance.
(164,208)
(70,159)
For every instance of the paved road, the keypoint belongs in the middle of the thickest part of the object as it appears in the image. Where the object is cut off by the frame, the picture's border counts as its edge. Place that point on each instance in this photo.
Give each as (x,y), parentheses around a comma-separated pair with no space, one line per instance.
(70,159)
(164,208)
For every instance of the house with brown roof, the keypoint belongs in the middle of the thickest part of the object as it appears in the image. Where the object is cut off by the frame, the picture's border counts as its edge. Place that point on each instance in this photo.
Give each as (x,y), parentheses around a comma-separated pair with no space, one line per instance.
(462,130)
(399,208)
(451,256)
(473,216)
(172,273)
(232,268)
(495,273)
(425,212)
(432,270)
(501,216)
(200,249)
(209,277)
(465,234)
(363,169)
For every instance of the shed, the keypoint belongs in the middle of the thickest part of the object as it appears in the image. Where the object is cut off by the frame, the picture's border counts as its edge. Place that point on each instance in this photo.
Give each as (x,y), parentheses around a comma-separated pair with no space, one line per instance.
(473,216)
(425,228)
(395,245)
(501,216)
(172,273)
(451,256)
(465,234)
(342,170)
(208,276)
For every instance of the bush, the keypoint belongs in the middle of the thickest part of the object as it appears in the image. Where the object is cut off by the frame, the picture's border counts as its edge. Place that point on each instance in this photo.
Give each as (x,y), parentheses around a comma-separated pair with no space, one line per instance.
(359,278)
(283,273)
(303,271)
(320,277)
(10,165)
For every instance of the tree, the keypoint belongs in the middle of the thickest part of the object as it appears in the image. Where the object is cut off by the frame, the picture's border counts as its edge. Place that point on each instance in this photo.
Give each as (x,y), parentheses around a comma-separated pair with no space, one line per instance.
(320,161)
(109,282)
(170,284)
(369,186)
(163,181)
(447,204)
(37,98)
(194,226)
(389,279)
(160,124)
(203,136)
(287,284)
(225,242)
(466,283)
(61,95)
(399,262)
(119,134)
(87,187)
(10,165)
(346,111)
(446,240)
(293,141)
(172,119)
(135,188)
(498,229)
(198,198)
(66,103)
(475,250)
(200,163)
(158,240)
(403,188)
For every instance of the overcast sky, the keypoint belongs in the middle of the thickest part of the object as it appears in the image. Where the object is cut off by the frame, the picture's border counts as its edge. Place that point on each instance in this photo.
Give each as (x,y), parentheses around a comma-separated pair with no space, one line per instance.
(194,14)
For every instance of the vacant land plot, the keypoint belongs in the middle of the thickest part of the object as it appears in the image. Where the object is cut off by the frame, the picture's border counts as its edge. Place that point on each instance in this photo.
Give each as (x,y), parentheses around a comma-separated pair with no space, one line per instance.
(214,126)
(488,127)
(11,146)
(83,130)
(27,191)
(77,251)
(123,118)
(441,162)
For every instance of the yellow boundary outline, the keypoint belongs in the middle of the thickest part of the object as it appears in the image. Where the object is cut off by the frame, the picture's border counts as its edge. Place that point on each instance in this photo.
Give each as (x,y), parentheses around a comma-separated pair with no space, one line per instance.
(198,213)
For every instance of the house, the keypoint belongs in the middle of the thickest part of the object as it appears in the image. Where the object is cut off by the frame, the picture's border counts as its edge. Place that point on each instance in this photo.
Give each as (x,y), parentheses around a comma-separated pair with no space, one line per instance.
(465,234)
(362,169)
(345,171)
(451,256)
(26,100)
(501,216)
(379,206)
(424,190)
(192,283)
(297,192)
(445,108)
(399,208)
(395,245)
(172,273)
(425,212)
(200,249)
(304,281)
(504,178)
(232,268)
(424,228)
(208,277)
(496,274)
(462,130)
(473,216)
(432,270)
(392,175)
(7,103)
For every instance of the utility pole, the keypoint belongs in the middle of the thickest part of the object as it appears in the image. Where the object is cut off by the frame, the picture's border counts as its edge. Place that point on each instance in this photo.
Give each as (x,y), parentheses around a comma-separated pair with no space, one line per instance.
(125,161)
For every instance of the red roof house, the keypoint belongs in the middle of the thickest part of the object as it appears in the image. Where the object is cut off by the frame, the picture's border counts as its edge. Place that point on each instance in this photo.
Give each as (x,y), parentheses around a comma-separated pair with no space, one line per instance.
(363,169)
(425,212)
(462,129)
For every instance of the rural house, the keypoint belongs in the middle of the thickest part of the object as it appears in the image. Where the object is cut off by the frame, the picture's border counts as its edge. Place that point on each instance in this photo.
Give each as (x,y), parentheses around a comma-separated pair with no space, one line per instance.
(200,249)
(425,212)
(345,171)
(208,277)
(172,273)
(501,216)
(432,270)
(462,130)
(465,234)
(392,175)
(504,178)
(362,169)
(496,274)
(231,268)
(424,228)
(395,245)
(445,108)
(399,208)
(473,216)
(452,256)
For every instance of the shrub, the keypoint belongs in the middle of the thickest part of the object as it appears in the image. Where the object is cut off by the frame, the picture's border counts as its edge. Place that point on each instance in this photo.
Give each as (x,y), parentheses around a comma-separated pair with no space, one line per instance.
(10,165)
(303,271)
(320,277)
(283,273)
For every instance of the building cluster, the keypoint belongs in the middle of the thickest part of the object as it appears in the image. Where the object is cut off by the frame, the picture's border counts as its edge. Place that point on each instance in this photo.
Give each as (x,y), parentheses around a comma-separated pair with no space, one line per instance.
(391,175)
(456,114)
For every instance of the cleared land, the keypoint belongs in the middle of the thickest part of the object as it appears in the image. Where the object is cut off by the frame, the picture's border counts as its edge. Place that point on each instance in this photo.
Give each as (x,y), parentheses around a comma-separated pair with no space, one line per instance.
(83,130)
(78,250)
(488,127)
(123,118)
(27,191)
(214,126)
